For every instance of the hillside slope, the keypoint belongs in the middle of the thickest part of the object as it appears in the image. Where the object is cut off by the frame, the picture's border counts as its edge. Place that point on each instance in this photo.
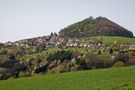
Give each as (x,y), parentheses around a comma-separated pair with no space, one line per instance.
(110,39)
(102,79)
(99,26)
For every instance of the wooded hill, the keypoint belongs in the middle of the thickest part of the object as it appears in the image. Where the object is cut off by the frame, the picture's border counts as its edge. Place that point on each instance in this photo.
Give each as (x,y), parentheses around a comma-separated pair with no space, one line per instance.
(99,26)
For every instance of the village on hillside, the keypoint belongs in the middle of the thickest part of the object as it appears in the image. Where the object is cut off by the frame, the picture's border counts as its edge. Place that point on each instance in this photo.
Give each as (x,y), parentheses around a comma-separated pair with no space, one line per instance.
(54,40)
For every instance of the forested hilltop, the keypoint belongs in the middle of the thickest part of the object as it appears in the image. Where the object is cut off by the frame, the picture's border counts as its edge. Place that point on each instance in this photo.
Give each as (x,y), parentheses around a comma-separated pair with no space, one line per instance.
(99,26)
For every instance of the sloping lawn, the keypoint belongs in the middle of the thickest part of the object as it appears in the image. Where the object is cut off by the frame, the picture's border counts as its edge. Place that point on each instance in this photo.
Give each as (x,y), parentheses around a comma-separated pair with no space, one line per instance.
(101,79)
(110,39)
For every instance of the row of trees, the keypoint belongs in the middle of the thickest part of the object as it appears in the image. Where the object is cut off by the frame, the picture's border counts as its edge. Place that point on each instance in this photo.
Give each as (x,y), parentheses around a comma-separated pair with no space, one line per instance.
(17,61)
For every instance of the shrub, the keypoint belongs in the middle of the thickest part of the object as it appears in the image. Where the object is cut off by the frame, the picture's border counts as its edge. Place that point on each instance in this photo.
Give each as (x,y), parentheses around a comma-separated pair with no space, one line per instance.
(131,60)
(3,70)
(58,63)
(60,55)
(90,61)
(73,61)
(22,74)
(3,58)
(123,57)
(61,68)
(93,61)
(3,51)
(53,64)
(132,53)
(104,61)
(119,64)
(4,74)
(75,68)
(51,71)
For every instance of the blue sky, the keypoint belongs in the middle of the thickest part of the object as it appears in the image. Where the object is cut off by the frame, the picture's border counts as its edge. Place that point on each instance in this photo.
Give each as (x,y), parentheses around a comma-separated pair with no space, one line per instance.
(20,19)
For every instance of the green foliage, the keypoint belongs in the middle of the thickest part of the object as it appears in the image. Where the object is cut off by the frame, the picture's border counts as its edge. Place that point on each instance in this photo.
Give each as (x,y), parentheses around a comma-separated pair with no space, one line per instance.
(53,64)
(3,58)
(74,29)
(61,68)
(3,51)
(60,55)
(93,61)
(16,51)
(22,74)
(119,64)
(4,73)
(59,60)
(99,26)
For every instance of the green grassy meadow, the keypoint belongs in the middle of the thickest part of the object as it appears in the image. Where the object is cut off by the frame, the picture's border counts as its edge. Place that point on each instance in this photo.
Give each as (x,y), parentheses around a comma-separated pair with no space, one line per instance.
(100,79)
(111,39)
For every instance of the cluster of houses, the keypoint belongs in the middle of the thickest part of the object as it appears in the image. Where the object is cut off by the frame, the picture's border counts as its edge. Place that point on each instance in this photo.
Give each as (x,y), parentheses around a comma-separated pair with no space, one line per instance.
(55,40)
(79,43)
(49,41)
(18,43)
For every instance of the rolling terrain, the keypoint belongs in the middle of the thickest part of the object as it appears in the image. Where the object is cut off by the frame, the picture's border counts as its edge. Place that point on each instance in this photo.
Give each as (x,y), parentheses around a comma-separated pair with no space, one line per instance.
(75,59)
(100,79)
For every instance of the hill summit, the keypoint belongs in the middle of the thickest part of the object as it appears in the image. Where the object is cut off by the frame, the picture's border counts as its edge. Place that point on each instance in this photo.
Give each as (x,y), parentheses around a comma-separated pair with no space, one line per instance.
(99,26)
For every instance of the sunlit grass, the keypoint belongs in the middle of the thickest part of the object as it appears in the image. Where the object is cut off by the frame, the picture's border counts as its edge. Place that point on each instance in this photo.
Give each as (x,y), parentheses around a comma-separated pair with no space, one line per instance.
(101,79)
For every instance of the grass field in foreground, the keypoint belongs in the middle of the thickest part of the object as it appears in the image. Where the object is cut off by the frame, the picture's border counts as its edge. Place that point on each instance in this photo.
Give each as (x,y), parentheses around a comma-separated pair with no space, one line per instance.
(101,79)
